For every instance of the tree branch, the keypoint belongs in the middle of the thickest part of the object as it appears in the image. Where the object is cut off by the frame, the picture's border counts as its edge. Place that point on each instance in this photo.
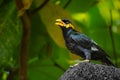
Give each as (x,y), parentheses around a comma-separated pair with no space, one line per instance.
(67,3)
(26,22)
(40,7)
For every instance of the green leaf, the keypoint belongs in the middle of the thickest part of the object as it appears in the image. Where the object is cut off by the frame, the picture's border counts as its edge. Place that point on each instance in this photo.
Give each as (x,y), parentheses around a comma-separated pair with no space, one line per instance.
(81,5)
(48,14)
(10,34)
(43,70)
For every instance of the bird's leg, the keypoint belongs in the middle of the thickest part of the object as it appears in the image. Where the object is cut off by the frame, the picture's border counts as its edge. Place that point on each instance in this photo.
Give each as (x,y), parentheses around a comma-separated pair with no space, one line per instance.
(87,56)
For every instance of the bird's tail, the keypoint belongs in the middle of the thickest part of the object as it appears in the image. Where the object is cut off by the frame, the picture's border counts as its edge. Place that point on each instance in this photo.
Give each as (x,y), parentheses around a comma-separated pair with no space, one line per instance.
(108,62)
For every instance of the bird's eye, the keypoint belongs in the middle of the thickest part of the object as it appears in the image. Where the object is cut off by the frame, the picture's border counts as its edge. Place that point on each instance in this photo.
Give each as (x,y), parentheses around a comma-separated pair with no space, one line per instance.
(66,21)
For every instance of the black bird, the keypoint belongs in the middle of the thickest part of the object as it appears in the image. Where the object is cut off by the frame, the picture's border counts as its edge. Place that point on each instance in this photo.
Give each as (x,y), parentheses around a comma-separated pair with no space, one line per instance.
(80,44)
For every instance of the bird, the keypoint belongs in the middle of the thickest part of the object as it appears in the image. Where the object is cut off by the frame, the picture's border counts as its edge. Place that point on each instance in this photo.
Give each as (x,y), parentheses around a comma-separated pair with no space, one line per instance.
(82,45)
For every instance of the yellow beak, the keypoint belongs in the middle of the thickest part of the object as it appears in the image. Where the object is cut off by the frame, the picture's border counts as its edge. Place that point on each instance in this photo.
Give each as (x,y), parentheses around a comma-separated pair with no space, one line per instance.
(59,22)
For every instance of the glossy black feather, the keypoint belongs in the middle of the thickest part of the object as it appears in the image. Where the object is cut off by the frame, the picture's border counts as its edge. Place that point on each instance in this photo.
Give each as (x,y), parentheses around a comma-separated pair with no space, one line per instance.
(83,46)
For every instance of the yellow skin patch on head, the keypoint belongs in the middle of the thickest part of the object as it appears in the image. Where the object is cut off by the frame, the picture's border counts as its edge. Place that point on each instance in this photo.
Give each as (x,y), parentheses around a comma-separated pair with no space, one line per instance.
(69,25)
(60,23)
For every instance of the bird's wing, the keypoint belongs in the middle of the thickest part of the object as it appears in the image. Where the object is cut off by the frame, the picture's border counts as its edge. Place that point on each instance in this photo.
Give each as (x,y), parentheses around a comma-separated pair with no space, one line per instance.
(83,40)
(87,43)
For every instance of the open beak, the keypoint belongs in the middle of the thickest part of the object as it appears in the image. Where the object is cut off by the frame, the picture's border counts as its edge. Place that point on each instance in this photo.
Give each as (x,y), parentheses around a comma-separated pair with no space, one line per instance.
(59,22)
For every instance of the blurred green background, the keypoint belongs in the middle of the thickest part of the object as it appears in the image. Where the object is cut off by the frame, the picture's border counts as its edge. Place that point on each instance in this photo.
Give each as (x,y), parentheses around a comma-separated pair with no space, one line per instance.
(48,57)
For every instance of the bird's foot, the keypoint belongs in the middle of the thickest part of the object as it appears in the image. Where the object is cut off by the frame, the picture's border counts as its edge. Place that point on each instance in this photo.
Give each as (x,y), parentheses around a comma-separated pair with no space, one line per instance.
(78,61)
(74,65)
(86,60)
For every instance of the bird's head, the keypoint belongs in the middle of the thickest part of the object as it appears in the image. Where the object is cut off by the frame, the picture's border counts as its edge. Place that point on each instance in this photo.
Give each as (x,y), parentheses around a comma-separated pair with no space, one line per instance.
(64,23)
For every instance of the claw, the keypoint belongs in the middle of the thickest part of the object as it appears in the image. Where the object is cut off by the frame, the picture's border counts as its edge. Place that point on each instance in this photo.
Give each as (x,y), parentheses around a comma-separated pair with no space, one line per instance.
(86,60)
(78,61)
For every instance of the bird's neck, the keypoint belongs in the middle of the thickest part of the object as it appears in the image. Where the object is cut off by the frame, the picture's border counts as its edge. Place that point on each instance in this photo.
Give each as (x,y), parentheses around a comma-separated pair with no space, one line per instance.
(66,31)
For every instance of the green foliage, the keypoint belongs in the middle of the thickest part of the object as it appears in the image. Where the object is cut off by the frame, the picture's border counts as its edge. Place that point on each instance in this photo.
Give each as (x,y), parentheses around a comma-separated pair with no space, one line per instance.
(10,35)
(48,57)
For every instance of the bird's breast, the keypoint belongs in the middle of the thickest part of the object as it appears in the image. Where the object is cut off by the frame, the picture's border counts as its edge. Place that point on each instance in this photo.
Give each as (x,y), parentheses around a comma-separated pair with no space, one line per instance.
(70,44)
(74,47)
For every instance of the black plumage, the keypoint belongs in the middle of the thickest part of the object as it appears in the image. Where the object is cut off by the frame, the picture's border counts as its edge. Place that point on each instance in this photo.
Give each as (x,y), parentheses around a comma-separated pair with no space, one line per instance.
(80,44)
